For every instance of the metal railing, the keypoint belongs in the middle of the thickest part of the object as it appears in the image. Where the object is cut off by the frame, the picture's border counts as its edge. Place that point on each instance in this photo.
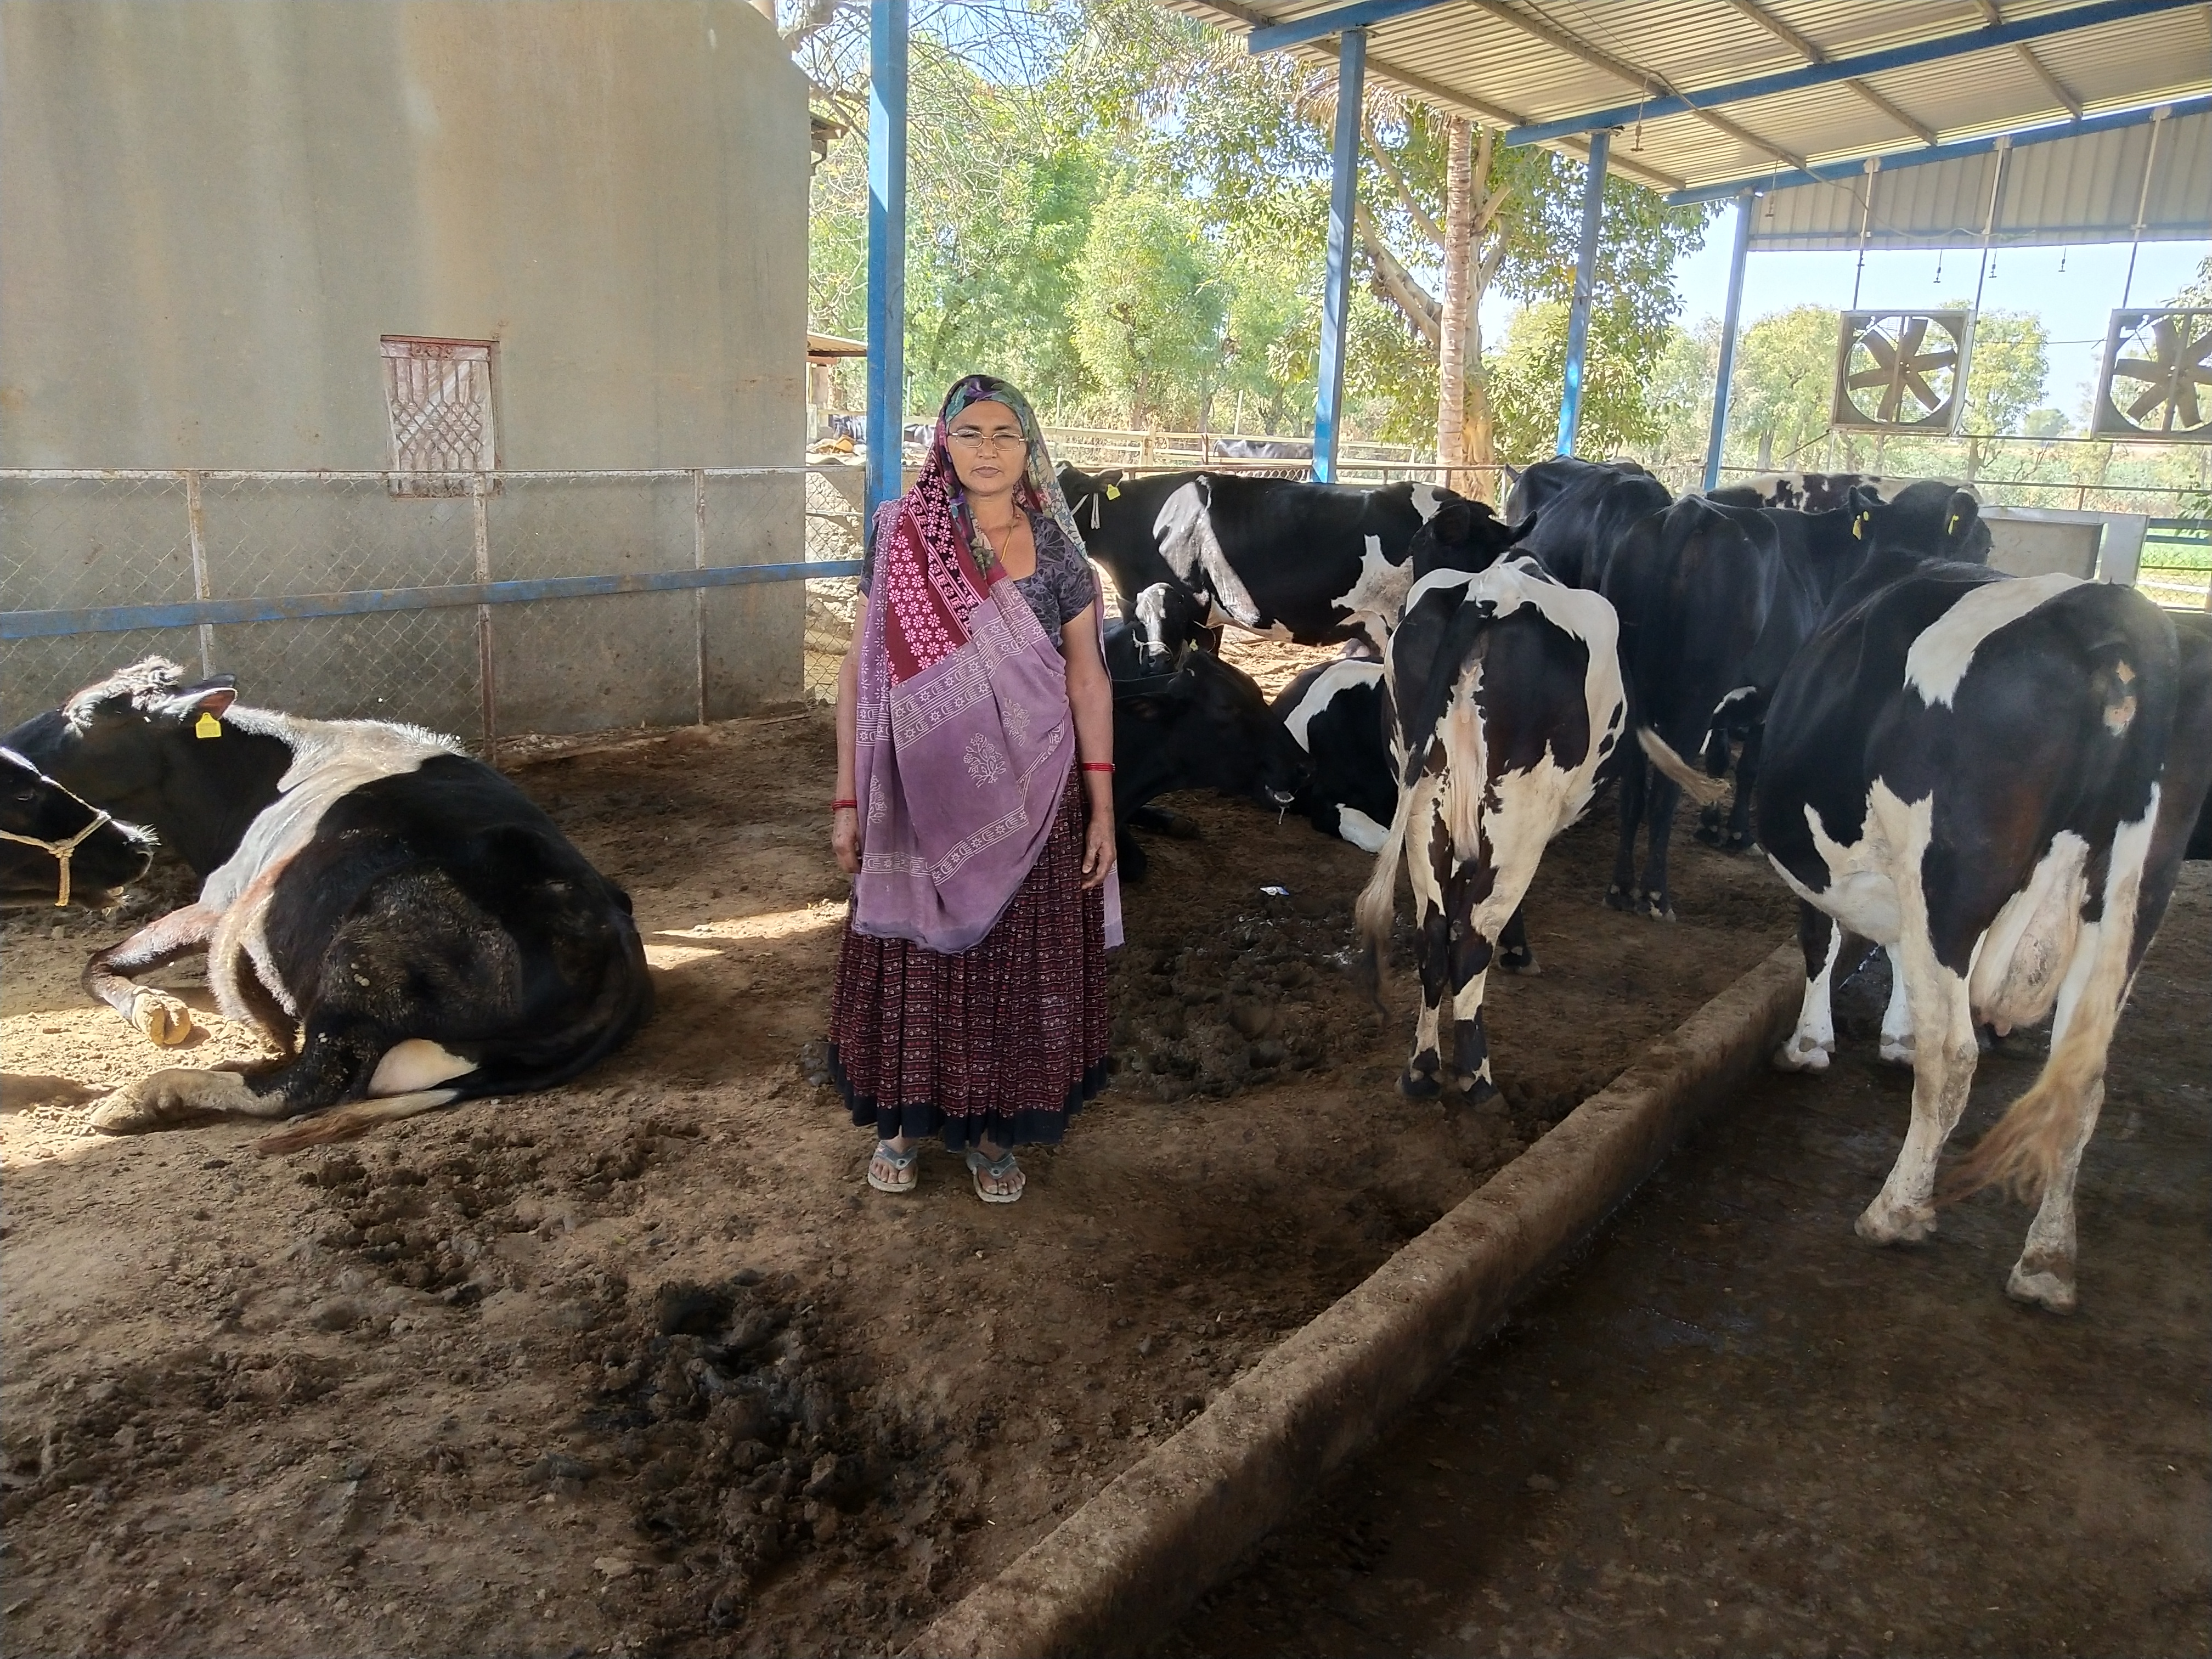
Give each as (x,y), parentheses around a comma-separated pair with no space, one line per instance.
(653,591)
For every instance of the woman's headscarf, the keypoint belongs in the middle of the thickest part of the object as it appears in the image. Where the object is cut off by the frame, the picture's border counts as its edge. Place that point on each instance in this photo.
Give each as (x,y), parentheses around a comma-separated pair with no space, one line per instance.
(964,736)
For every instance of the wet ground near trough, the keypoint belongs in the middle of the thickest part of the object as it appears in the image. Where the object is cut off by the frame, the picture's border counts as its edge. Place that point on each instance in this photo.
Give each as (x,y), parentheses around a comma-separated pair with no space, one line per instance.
(1732,1427)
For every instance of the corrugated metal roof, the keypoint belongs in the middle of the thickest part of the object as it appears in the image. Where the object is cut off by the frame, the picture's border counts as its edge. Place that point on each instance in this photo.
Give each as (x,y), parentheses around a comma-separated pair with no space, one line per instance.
(2082,188)
(1528,62)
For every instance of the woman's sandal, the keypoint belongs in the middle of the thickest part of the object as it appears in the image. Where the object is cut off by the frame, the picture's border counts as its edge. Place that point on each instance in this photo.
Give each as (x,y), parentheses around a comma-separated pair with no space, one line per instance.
(1001,1169)
(900,1178)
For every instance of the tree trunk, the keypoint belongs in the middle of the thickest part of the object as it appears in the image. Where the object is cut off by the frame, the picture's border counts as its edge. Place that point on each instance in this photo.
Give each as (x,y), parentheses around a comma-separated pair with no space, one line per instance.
(1453,332)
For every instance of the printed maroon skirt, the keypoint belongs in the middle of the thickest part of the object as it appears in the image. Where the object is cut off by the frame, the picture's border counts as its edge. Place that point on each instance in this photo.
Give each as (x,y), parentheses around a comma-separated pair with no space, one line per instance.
(1006,1040)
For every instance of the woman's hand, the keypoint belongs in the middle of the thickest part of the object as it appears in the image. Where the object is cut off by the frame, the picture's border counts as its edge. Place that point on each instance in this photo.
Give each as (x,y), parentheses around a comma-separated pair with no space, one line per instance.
(1097,849)
(844,838)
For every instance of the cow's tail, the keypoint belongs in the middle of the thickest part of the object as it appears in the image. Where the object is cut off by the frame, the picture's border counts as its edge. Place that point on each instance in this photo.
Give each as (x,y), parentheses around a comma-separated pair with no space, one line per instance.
(346,1122)
(1379,900)
(1699,785)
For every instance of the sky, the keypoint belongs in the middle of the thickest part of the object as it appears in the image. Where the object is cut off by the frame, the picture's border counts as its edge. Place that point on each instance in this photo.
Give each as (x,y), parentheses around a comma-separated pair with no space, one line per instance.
(2075,301)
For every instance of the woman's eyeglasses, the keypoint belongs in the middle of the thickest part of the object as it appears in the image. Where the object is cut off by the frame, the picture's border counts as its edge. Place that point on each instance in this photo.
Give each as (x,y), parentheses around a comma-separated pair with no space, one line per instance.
(969,437)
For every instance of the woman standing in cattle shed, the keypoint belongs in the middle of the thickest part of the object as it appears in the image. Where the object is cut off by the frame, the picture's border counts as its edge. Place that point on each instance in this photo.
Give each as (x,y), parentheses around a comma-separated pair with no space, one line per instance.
(974,810)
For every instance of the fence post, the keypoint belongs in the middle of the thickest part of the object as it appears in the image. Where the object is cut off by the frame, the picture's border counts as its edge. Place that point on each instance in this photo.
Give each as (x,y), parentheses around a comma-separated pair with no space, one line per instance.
(195,529)
(699,594)
(489,701)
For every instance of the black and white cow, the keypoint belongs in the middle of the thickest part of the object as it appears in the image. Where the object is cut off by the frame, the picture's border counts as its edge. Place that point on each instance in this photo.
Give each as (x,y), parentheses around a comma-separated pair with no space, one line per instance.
(55,847)
(1921,505)
(1997,778)
(1505,698)
(1321,564)
(406,912)
(1204,726)
(1583,509)
(1334,711)
(1814,523)
(1164,619)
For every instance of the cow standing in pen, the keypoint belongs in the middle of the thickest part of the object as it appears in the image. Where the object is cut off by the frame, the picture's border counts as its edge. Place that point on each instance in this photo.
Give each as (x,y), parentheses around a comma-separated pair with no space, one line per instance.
(1997,779)
(1504,697)
(1321,564)
(406,912)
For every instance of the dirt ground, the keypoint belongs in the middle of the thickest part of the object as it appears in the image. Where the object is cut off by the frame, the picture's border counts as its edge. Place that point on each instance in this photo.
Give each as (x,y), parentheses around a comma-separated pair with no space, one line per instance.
(1734,1428)
(642,1364)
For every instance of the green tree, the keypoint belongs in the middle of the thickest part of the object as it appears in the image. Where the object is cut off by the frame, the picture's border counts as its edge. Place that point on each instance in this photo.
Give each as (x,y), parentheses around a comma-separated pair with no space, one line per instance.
(2006,371)
(1778,397)
(1528,380)
(1147,308)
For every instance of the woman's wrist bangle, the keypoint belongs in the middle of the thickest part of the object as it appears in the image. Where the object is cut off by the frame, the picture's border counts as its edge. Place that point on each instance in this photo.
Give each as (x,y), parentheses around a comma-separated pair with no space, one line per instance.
(840,806)
(1098,766)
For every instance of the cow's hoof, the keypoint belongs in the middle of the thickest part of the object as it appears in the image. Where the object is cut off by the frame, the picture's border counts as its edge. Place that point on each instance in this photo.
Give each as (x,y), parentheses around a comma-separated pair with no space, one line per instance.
(1800,1053)
(2050,1290)
(1711,836)
(1897,1051)
(1473,1089)
(161,1018)
(170,1097)
(1885,1222)
(1418,1085)
(1655,906)
(1523,961)
(1735,844)
(1617,900)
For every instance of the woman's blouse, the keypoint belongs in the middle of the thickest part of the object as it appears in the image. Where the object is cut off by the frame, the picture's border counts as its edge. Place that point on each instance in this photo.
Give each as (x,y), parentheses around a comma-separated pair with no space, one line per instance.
(1057,592)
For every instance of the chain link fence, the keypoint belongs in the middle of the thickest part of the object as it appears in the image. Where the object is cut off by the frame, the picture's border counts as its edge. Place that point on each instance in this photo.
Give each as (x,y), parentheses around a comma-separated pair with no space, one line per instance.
(528,602)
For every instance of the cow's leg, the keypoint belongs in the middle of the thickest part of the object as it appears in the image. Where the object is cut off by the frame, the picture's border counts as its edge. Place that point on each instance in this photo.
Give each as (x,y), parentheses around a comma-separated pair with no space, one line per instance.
(1469,964)
(1821,937)
(1430,869)
(1129,856)
(2044,1273)
(1746,776)
(1635,777)
(1515,954)
(1661,794)
(1897,1045)
(1711,818)
(1944,1056)
(160,1018)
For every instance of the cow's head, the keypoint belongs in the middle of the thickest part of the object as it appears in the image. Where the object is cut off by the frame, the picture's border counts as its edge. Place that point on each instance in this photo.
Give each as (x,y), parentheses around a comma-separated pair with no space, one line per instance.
(55,847)
(1087,494)
(1168,618)
(144,745)
(1926,520)
(1464,535)
(1206,725)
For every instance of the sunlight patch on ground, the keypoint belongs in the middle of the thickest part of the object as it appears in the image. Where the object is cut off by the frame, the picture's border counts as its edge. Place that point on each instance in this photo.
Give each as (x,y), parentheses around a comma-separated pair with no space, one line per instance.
(769,925)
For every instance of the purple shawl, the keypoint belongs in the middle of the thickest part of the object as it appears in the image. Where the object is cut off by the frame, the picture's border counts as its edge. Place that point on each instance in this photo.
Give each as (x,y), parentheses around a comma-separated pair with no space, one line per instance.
(964,734)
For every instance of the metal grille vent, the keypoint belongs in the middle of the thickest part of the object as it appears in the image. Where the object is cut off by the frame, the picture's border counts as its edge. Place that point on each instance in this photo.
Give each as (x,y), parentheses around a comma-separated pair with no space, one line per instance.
(438,395)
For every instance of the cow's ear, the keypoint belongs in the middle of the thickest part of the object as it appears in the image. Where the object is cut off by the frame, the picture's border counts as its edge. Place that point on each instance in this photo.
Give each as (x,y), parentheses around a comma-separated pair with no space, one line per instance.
(1519,532)
(1454,524)
(1860,501)
(1960,514)
(213,696)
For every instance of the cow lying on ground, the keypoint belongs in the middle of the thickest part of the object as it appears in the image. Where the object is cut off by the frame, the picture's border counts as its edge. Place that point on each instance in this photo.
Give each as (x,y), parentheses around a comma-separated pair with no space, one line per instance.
(55,847)
(1504,697)
(1997,779)
(1321,564)
(407,913)
(1204,725)
(1333,711)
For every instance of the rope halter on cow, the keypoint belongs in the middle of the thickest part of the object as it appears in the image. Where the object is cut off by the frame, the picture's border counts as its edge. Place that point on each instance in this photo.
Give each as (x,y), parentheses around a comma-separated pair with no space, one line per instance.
(62,851)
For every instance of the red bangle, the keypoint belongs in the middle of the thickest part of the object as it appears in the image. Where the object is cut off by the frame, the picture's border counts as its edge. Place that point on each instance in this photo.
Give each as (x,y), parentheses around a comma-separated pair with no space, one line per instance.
(840,806)
(1098,766)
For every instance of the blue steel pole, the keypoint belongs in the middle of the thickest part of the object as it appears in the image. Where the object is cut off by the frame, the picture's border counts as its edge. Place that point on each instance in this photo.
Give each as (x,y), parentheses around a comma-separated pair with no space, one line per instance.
(887,57)
(1744,204)
(1336,291)
(1571,405)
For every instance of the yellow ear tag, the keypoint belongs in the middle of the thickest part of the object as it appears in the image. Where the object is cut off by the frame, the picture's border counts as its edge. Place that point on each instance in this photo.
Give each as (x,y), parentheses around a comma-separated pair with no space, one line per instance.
(1112,492)
(1858,528)
(1952,528)
(207,726)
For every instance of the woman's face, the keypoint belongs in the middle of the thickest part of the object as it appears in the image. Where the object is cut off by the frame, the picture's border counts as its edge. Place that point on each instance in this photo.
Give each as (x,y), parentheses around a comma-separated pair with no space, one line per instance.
(989,450)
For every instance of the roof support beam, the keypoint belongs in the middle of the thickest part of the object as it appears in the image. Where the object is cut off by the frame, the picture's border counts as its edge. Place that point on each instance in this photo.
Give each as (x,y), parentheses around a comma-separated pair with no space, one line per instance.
(1847,69)
(1729,318)
(1830,172)
(887,61)
(1812,54)
(1552,36)
(1336,285)
(2051,83)
(1578,312)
